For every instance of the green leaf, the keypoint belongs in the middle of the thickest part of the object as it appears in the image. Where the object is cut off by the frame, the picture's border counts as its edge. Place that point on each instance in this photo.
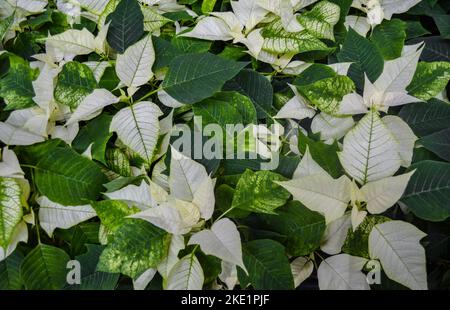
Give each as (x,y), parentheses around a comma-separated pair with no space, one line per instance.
(10,209)
(430,79)
(278,41)
(428,191)
(267,265)
(436,48)
(365,56)
(137,246)
(4,26)
(302,227)
(324,154)
(194,77)
(321,20)
(68,178)
(225,108)
(113,213)
(438,143)
(127,25)
(16,87)
(75,82)
(90,278)
(208,6)
(10,272)
(257,192)
(327,94)
(357,242)
(44,268)
(426,118)
(97,133)
(414,29)
(389,37)
(443,23)
(255,86)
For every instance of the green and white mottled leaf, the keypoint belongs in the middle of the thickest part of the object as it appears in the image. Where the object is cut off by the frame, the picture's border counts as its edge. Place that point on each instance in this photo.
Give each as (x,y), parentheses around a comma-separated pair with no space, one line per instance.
(20,234)
(136,247)
(259,192)
(10,209)
(321,20)
(75,82)
(138,128)
(396,244)
(430,79)
(277,40)
(152,20)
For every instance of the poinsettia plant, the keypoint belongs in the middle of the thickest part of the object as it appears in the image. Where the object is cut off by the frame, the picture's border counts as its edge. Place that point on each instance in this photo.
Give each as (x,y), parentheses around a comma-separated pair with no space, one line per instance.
(217,144)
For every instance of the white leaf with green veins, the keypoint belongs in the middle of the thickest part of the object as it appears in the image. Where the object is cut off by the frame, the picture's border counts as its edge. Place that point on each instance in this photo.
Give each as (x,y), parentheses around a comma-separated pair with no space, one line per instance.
(12,135)
(176,245)
(302,269)
(249,13)
(331,127)
(296,108)
(186,176)
(31,6)
(134,66)
(10,209)
(73,41)
(187,274)
(404,135)
(357,23)
(382,194)
(53,215)
(308,166)
(397,245)
(342,272)
(98,68)
(20,234)
(138,128)
(144,279)
(370,152)
(335,235)
(321,193)
(210,28)
(9,165)
(133,195)
(222,240)
(92,105)
(174,216)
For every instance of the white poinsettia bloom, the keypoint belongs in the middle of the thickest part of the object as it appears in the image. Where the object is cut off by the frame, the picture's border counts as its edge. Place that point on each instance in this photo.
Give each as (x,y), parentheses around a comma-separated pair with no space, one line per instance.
(377,10)
(390,87)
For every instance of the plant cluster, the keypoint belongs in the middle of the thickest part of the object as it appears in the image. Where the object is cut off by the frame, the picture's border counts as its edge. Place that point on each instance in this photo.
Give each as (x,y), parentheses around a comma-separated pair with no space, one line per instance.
(217,144)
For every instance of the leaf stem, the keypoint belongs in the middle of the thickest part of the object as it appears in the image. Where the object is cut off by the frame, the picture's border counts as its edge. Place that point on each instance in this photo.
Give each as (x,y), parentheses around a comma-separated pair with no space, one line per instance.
(149,94)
